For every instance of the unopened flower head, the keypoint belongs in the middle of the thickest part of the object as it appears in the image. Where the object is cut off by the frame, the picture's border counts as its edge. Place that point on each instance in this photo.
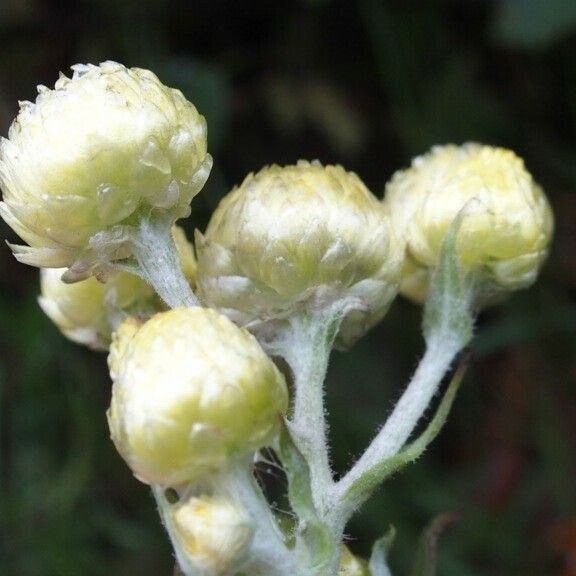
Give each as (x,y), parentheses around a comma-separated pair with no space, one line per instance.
(191,393)
(87,312)
(350,565)
(296,236)
(214,532)
(507,224)
(88,156)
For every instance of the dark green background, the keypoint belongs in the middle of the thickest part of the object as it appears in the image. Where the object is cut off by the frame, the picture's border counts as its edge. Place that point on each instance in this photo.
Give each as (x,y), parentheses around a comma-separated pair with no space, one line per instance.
(367,84)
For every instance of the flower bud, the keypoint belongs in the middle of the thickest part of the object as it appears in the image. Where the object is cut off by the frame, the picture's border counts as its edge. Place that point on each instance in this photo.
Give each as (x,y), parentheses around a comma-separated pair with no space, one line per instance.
(299,236)
(88,156)
(214,533)
(508,224)
(350,565)
(192,392)
(87,312)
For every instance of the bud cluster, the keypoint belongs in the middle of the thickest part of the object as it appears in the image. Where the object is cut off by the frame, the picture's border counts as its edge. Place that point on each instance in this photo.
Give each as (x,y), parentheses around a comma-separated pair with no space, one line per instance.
(195,397)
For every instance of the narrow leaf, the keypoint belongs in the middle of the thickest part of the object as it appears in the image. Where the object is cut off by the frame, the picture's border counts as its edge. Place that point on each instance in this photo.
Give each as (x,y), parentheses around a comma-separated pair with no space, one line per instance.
(378,560)
(314,533)
(447,310)
(372,478)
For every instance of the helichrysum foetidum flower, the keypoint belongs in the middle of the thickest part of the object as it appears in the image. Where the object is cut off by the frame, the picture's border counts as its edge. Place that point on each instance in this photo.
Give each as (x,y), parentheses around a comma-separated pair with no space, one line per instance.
(507,228)
(350,565)
(299,236)
(214,533)
(87,312)
(92,154)
(191,393)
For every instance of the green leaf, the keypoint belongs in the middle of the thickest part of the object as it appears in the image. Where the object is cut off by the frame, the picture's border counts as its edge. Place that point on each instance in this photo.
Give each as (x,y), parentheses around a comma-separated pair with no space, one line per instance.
(447,311)
(425,562)
(378,559)
(360,490)
(311,530)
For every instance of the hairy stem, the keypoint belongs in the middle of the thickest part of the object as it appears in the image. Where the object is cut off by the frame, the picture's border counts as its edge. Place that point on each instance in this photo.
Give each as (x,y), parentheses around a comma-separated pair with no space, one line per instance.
(306,347)
(159,262)
(439,355)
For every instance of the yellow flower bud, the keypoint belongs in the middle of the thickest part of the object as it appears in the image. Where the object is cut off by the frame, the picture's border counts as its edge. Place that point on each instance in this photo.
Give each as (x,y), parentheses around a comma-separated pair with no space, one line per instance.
(350,565)
(214,533)
(192,391)
(186,253)
(508,224)
(92,153)
(87,312)
(298,236)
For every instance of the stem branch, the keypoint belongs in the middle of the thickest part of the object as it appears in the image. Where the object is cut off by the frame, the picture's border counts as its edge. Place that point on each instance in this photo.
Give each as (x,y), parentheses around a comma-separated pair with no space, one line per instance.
(306,347)
(159,262)
(408,411)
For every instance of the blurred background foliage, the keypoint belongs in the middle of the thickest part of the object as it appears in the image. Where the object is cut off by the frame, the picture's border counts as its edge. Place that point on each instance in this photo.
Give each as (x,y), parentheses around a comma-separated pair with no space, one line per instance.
(368,84)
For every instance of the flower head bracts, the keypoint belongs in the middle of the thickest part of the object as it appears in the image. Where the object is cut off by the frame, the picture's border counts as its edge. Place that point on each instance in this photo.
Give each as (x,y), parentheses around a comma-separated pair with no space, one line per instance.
(507,230)
(89,311)
(192,393)
(87,157)
(214,532)
(299,236)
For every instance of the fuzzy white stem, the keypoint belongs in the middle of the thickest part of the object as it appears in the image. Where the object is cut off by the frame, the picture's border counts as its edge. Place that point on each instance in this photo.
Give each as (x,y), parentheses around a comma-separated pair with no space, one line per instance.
(269,553)
(439,355)
(306,347)
(159,263)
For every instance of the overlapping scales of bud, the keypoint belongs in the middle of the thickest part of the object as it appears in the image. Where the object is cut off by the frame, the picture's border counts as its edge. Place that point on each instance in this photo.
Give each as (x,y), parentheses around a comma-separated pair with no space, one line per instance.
(299,236)
(192,392)
(214,533)
(87,312)
(508,225)
(87,157)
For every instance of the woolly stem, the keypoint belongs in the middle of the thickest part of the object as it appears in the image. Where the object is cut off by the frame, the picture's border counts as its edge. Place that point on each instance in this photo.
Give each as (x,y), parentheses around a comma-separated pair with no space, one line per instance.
(306,345)
(408,411)
(159,263)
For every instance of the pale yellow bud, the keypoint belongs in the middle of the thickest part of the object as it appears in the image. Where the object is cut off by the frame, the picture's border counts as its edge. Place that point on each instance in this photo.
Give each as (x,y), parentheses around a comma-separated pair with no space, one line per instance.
(192,392)
(88,156)
(299,236)
(350,565)
(508,222)
(214,533)
(87,312)
(186,254)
